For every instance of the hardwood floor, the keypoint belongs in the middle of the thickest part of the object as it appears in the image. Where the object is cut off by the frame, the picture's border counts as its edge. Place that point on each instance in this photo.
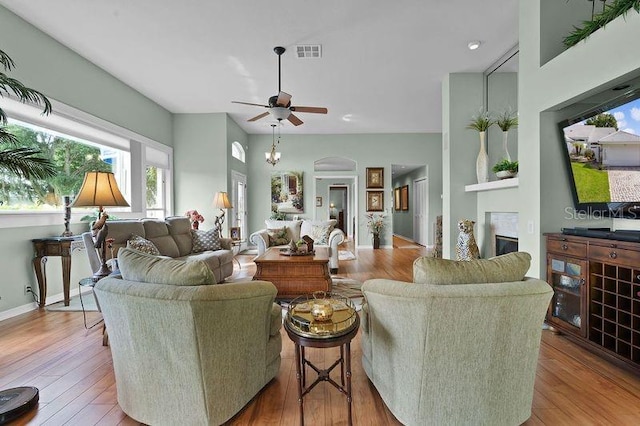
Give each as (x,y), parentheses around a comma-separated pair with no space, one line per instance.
(53,351)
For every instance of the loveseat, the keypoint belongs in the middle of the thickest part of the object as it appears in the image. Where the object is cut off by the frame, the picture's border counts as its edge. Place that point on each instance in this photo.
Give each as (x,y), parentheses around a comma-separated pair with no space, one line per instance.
(174,238)
(279,233)
(460,344)
(185,352)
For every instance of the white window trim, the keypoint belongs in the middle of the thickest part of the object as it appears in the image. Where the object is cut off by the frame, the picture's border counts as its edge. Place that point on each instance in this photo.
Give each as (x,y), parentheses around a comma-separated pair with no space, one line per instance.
(80,124)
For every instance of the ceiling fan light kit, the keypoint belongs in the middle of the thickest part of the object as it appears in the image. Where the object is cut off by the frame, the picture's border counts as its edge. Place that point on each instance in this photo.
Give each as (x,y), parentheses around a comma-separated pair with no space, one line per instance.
(279,106)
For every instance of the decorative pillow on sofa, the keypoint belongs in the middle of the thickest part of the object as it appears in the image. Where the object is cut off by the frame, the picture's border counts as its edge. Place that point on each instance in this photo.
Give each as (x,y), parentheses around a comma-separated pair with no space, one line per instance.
(293,227)
(136,242)
(142,267)
(319,230)
(506,268)
(205,240)
(278,237)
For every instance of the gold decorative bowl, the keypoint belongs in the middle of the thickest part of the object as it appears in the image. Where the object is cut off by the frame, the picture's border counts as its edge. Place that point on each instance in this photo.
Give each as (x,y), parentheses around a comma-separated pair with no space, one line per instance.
(321,310)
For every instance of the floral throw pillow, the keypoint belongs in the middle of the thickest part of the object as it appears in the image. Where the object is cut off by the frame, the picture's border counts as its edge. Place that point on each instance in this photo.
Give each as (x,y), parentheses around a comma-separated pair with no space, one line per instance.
(205,240)
(278,237)
(320,234)
(138,243)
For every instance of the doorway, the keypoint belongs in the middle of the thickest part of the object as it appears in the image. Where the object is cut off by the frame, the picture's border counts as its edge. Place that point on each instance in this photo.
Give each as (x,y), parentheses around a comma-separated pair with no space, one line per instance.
(339,206)
(238,216)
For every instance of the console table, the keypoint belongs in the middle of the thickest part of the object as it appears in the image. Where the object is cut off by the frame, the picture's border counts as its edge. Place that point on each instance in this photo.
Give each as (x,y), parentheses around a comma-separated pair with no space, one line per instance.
(54,246)
(596,300)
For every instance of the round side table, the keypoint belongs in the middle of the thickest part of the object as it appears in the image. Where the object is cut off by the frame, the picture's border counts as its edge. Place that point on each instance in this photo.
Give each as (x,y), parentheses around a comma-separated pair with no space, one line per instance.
(306,334)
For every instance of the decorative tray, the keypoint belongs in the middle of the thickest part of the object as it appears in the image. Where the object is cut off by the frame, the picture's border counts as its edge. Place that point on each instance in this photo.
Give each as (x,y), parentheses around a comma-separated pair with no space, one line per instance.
(300,319)
(287,252)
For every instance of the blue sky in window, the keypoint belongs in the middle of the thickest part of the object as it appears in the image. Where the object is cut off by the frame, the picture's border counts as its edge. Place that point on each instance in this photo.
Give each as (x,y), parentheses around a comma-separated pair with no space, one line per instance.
(628,116)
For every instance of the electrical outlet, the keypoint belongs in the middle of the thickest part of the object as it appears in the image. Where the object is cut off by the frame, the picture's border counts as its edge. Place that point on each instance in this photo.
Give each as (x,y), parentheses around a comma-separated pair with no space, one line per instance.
(27,289)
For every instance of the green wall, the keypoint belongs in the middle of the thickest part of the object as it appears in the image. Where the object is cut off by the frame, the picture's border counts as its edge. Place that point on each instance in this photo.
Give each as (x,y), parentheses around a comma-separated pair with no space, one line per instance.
(61,74)
(368,150)
(543,191)
(403,219)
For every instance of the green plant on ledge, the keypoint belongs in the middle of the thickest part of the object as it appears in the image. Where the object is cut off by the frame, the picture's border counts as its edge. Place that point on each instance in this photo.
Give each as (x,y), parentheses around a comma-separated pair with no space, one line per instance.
(506,166)
(482,121)
(610,12)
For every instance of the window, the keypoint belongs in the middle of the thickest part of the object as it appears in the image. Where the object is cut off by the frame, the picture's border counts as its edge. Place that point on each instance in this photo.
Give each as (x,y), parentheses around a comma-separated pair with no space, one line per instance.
(71,157)
(77,142)
(237,151)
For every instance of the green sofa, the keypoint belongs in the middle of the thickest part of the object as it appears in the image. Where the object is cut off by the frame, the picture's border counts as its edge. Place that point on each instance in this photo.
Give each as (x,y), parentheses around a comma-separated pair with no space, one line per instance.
(463,354)
(189,354)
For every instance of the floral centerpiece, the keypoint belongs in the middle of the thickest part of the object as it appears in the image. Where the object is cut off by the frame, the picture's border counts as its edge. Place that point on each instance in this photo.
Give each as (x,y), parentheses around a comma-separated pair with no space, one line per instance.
(195,218)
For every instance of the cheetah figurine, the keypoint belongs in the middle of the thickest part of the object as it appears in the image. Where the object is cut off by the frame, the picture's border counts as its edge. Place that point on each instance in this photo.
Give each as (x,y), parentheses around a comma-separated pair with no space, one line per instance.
(466,248)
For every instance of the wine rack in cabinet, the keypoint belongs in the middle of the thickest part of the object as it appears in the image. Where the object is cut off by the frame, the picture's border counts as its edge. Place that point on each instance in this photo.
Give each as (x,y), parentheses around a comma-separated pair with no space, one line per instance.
(596,294)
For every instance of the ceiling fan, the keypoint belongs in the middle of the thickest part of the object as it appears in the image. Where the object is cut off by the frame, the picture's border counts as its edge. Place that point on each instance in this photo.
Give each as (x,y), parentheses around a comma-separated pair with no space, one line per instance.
(280,105)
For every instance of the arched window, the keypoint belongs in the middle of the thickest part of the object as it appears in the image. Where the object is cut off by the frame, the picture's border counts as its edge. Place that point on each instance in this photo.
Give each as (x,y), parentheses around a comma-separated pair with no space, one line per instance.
(237,151)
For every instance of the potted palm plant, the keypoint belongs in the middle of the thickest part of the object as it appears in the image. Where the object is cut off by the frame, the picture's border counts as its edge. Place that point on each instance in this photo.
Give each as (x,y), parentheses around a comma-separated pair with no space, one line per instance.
(481,122)
(23,162)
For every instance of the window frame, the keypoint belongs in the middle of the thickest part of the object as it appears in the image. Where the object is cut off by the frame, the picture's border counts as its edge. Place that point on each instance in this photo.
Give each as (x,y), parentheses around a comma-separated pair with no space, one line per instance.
(237,146)
(74,122)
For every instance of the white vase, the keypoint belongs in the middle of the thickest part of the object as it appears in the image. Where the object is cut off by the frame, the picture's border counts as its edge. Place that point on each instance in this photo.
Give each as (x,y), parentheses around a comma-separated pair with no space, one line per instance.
(482,162)
(505,145)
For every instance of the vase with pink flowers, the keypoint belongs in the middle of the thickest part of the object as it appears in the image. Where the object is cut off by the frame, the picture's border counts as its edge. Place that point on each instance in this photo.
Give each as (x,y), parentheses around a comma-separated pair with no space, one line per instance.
(195,218)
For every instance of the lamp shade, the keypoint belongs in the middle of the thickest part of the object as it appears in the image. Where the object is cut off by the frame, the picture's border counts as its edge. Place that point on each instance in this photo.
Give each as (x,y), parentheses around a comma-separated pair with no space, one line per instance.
(99,189)
(221,201)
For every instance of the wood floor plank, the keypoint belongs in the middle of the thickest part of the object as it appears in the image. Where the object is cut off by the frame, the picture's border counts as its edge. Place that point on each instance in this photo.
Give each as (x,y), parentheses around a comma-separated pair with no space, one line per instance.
(74,372)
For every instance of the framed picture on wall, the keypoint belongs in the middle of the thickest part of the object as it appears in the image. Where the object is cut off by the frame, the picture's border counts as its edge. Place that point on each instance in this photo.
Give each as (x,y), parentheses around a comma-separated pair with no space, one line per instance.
(404,198)
(318,201)
(396,199)
(375,177)
(375,201)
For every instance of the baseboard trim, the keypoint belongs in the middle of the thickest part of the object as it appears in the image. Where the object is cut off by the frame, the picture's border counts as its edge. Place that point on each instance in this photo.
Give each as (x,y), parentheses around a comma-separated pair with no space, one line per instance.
(32,306)
(370,246)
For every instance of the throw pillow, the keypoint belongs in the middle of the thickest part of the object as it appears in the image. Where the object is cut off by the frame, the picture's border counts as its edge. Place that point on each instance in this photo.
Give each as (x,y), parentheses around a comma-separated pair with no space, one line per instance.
(320,234)
(205,240)
(142,267)
(506,268)
(278,237)
(136,242)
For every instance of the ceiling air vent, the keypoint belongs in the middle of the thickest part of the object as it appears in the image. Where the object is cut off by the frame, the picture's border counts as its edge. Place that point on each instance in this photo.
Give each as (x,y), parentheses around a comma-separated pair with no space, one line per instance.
(309,51)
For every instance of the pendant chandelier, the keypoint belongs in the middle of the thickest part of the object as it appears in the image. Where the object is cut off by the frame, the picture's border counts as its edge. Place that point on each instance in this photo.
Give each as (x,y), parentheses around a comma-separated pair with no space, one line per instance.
(273,157)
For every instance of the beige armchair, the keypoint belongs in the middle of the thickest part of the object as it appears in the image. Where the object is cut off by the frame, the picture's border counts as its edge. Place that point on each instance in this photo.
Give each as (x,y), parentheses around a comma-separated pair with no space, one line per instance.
(191,355)
(455,353)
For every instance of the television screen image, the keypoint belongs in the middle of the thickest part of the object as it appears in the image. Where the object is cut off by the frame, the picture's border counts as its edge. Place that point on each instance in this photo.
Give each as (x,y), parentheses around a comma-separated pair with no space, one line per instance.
(603,156)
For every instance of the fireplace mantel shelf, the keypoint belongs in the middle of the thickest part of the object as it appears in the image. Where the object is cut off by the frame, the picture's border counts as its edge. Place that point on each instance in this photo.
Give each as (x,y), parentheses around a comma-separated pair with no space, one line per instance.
(489,186)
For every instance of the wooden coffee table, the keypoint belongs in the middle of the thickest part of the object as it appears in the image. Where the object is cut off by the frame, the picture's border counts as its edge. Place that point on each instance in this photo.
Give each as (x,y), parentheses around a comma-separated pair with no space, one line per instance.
(294,275)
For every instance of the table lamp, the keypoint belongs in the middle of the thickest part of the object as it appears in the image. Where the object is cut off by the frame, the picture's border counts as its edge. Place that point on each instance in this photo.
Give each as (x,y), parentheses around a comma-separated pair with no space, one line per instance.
(100,189)
(221,201)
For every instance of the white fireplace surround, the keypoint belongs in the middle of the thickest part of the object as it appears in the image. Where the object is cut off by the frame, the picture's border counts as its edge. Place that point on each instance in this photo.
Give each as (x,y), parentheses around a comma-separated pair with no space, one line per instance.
(502,223)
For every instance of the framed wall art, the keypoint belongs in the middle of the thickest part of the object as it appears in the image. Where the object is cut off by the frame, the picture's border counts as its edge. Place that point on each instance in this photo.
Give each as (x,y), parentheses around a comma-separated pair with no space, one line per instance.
(396,199)
(404,198)
(318,201)
(375,201)
(286,192)
(375,177)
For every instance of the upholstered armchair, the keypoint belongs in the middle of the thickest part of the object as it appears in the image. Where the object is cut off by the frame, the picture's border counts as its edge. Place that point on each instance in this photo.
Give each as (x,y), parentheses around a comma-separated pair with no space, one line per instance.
(188,354)
(455,353)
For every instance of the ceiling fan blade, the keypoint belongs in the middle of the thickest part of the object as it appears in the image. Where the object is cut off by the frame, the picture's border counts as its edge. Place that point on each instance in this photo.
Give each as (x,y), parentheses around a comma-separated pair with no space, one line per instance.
(249,103)
(316,110)
(284,99)
(294,120)
(258,117)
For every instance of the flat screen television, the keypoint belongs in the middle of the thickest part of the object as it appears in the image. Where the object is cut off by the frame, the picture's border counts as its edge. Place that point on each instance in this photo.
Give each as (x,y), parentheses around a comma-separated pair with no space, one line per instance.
(601,148)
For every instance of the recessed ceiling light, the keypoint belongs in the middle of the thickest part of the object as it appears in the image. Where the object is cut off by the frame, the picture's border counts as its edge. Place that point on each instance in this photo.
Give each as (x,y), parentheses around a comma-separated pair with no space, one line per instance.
(473,45)
(347,117)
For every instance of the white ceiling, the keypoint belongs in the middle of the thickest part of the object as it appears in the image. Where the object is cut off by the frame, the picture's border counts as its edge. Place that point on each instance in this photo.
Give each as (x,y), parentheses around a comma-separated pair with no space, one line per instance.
(383,61)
